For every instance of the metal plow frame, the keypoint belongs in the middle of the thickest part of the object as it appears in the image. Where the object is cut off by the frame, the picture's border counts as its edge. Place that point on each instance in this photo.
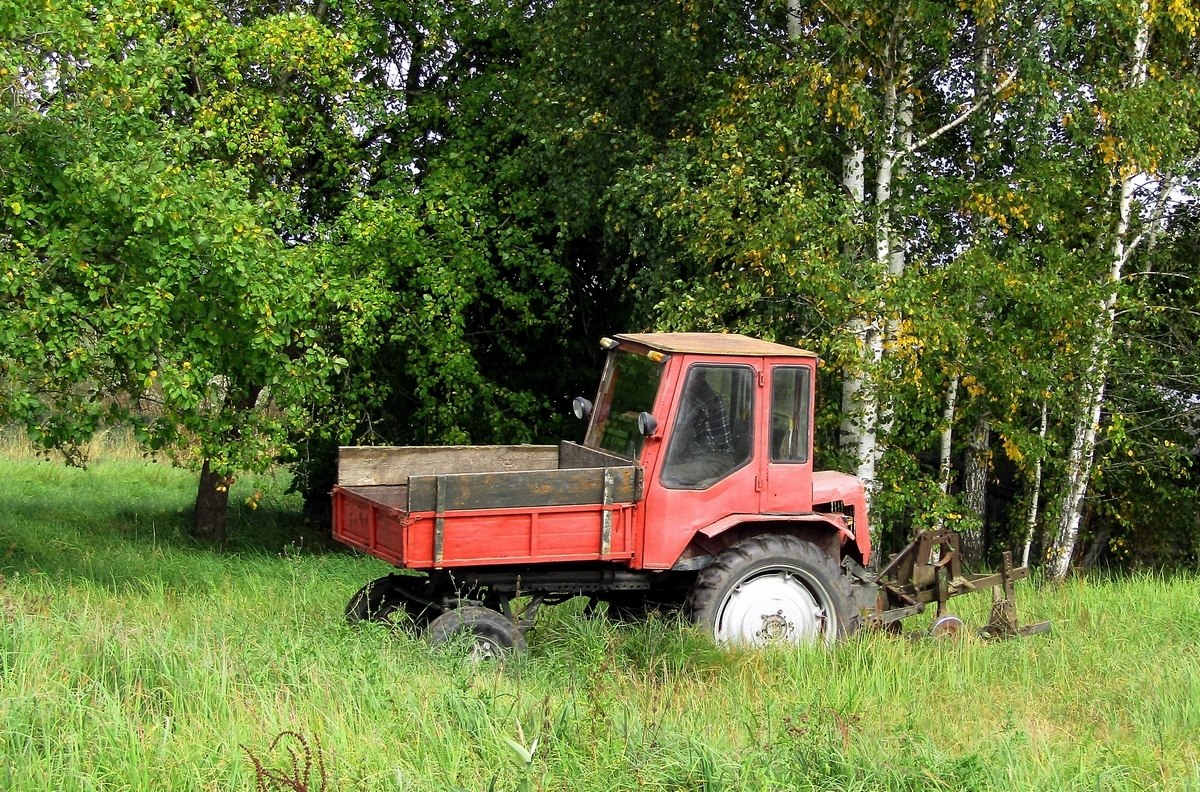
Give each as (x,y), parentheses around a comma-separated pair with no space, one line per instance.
(930,570)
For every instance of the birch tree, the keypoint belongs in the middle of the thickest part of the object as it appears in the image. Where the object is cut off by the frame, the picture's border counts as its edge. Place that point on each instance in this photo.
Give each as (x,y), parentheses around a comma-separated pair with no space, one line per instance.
(915,101)
(1146,132)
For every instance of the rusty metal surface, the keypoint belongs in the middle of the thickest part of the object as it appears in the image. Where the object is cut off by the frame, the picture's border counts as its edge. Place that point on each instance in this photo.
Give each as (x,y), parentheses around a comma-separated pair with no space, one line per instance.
(930,571)
(714,344)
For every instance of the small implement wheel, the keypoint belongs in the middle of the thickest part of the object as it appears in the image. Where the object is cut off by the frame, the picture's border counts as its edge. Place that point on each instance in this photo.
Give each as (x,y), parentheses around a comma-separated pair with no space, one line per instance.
(491,633)
(773,589)
(382,601)
(948,626)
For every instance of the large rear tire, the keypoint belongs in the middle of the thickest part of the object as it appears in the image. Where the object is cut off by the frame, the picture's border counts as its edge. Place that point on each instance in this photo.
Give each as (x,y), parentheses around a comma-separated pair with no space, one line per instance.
(773,589)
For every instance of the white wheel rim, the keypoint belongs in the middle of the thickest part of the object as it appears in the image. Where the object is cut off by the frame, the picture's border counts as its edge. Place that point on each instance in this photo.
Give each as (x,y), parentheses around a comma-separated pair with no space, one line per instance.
(777,605)
(948,626)
(485,649)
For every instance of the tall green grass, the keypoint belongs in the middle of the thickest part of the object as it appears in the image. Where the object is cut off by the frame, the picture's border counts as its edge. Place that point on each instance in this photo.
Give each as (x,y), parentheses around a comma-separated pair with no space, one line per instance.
(132,658)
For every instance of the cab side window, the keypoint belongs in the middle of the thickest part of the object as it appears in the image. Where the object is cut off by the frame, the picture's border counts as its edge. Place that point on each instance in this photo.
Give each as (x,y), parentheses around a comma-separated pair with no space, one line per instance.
(790,395)
(713,434)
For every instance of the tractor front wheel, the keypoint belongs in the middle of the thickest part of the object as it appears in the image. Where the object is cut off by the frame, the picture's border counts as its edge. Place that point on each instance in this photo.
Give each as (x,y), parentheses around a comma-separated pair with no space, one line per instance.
(773,589)
(488,633)
(383,600)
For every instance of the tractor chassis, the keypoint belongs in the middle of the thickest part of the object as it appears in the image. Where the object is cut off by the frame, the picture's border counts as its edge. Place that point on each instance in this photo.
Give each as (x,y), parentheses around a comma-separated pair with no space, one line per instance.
(426,596)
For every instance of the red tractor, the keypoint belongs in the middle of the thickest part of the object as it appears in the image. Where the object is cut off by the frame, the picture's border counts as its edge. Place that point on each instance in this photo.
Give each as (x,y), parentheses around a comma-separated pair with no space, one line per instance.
(694,488)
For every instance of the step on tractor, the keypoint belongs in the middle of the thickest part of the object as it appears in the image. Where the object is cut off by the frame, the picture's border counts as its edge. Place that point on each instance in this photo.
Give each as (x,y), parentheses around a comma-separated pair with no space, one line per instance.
(693,489)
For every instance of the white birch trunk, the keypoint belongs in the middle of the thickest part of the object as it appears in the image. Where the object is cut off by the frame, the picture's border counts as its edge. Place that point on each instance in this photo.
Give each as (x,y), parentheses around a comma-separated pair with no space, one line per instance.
(1031,517)
(1083,441)
(947,444)
(860,397)
(793,20)
(858,407)
(896,264)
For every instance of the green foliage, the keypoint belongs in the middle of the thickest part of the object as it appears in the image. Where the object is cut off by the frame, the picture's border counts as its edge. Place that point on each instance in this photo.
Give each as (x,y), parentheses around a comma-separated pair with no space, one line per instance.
(1150,443)
(431,287)
(144,277)
(736,225)
(259,231)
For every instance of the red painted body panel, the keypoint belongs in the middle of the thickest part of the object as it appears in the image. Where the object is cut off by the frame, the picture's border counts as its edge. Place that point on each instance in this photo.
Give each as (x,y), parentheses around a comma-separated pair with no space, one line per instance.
(674,516)
(483,536)
(760,491)
(829,486)
(835,522)
(652,533)
(369,525)
(524,536)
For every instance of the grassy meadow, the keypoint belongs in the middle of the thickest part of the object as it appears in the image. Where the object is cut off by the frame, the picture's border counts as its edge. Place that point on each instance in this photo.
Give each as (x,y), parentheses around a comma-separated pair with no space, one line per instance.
(132,658)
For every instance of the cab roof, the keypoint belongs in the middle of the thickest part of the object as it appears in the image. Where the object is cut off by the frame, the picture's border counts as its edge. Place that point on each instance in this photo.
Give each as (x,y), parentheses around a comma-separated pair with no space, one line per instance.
(714,344)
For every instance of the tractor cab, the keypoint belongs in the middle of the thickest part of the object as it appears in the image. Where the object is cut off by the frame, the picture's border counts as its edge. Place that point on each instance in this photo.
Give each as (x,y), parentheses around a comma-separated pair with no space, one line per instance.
(721,425)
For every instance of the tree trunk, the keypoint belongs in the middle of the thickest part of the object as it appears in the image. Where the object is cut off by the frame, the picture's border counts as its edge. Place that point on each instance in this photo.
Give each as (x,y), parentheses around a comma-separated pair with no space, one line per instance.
(897,260)
(212,505)
(1031,518)
(859,411)
(975,478)
(211,514)
(1079,467)
(947,443)
(1083,441)
(860,397)
(793,20)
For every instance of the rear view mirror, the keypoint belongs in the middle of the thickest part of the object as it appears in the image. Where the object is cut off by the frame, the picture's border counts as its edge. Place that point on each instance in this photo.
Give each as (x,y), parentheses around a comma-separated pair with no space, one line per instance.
(647,424)
(582,408)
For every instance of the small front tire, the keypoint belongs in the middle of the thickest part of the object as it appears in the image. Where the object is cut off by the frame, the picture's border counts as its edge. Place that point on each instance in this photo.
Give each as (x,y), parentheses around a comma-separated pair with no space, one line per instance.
(370,601)
(383,601)
(490,634)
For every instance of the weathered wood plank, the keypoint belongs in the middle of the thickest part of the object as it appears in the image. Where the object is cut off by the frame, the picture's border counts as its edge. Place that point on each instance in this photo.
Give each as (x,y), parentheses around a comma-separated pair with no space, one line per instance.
(391,465)
(573,455)
(395,497)
(524,489)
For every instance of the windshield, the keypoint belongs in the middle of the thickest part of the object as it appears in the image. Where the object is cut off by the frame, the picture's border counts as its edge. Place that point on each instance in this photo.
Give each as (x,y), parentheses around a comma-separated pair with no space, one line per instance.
(629,386)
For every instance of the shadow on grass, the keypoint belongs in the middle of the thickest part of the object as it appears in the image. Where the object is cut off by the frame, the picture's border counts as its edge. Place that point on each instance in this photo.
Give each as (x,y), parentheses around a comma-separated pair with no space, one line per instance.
(119,534)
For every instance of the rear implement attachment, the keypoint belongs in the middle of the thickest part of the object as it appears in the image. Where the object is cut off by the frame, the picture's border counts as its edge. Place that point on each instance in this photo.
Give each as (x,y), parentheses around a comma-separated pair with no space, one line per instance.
(930,570)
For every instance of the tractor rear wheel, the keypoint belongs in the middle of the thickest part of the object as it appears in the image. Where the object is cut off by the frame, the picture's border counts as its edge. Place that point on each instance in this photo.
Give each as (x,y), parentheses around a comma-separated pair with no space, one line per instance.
(773,589)
(489,633)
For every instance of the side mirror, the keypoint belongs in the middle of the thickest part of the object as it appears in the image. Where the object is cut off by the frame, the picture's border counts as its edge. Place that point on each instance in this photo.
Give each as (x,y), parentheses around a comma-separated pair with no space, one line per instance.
(582,408)
(647,424)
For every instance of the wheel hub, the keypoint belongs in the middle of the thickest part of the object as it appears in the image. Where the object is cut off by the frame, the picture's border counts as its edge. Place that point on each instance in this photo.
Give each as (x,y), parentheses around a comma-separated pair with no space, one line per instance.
(485,649)
(775,627)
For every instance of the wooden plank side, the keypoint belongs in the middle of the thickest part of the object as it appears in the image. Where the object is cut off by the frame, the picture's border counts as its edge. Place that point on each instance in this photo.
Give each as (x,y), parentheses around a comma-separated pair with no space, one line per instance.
(394,497)
(573,455)
(390,465)
(524,489)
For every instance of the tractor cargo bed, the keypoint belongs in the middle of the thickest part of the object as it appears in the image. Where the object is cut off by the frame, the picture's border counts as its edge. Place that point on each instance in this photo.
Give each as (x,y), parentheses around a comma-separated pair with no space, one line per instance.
(428,508)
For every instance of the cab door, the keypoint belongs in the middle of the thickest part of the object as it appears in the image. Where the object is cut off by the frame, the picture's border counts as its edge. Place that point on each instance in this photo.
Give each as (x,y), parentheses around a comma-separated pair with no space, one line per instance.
(786,470)
(708,469)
